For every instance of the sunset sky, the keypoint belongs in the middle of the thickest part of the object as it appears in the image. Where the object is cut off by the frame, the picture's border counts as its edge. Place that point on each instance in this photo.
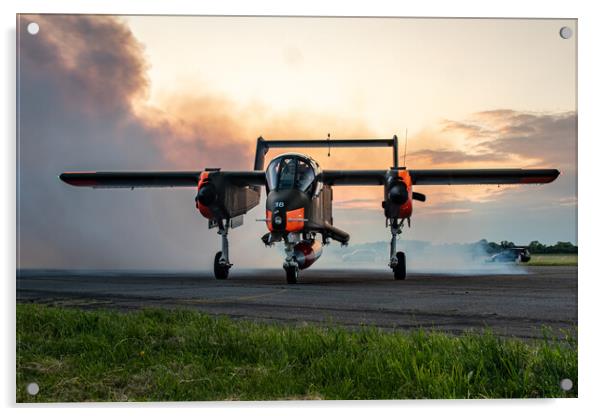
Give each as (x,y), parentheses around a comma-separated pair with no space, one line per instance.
(170,93)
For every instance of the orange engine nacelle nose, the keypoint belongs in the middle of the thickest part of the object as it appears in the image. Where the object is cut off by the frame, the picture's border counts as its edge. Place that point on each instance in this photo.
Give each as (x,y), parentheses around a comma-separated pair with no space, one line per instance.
(206,196)
(398,195)
(402,191)
(306,253)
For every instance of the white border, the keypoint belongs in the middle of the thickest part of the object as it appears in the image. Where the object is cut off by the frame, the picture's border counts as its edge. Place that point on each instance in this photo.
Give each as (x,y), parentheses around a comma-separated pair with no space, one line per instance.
(589,154)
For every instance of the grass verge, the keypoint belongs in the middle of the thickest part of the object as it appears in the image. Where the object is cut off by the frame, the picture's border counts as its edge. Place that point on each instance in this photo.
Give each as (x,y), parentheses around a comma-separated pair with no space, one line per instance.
(553,260)
(163,355)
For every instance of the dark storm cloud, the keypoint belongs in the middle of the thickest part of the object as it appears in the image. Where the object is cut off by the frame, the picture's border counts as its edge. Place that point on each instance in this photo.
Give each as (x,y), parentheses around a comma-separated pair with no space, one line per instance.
(504,135)
(79,78)
(102,59)
(550,138)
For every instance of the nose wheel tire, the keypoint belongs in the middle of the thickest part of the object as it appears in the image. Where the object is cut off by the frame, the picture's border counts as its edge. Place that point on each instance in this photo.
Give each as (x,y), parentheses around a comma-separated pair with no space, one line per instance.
(220,270)
(291,275)
(399,271)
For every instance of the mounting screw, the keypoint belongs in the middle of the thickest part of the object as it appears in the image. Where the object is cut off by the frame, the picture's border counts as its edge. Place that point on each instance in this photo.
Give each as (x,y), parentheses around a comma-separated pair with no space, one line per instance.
(566,32)
(33,389)
(566,384)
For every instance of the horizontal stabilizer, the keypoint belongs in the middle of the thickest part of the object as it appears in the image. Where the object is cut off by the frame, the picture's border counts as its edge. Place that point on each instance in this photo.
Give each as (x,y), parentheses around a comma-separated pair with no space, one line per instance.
(264,145)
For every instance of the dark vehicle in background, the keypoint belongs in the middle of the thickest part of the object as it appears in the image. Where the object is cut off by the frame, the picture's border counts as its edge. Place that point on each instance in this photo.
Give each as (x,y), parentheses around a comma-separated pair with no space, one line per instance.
(512,255)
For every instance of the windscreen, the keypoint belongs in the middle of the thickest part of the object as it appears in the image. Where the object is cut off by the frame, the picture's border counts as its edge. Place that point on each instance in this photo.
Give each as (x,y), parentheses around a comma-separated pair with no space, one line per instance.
(290,172)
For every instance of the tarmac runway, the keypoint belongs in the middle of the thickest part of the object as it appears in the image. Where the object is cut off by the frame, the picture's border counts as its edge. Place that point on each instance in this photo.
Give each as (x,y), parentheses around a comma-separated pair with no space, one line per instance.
(517,305)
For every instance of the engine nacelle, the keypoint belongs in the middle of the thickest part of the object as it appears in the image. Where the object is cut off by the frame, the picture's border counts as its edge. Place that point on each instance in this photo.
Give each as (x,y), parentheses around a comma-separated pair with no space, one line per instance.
(307,252)
(206,196)
(218,198)
(398,194)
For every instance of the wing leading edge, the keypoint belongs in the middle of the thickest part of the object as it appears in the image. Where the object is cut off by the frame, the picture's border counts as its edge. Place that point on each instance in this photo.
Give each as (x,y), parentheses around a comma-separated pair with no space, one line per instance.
(444,176)
(155,179)
(482,176)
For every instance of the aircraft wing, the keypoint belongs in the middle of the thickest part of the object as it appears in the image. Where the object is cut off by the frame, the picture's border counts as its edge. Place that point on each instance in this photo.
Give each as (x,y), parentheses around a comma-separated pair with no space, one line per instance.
(444,176)
(482,176)
(156,179)
(330,177)
(354,177)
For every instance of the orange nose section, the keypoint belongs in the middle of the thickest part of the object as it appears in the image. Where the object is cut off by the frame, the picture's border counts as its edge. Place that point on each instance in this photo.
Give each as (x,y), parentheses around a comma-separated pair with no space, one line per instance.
(294,220)
(268,217)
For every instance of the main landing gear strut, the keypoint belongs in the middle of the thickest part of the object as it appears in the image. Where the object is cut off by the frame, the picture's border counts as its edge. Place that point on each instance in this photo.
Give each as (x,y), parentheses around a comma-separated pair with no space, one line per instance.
(290,264)
(397,260)
(221,263)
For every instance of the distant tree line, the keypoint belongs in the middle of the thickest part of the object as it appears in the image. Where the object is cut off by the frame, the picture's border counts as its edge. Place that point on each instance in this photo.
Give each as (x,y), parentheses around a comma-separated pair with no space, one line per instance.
(535,247)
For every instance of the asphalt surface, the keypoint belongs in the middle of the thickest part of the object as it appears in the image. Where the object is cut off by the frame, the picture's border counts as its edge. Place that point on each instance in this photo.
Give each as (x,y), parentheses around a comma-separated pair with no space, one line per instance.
(516,305)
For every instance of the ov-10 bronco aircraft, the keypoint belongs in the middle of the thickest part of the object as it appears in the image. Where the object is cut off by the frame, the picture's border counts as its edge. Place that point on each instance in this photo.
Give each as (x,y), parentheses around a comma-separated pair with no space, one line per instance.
(299,196)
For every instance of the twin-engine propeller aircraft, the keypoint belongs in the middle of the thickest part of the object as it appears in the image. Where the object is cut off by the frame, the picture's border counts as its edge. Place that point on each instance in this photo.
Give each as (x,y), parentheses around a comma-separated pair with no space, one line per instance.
(299,196)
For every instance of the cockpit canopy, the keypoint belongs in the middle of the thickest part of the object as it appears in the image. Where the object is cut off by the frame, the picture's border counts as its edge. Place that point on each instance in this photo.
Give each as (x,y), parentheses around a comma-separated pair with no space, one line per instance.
(291,171)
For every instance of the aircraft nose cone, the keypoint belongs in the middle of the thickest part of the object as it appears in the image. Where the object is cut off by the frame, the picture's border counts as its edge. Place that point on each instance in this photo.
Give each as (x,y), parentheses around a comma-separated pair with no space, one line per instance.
(398,194)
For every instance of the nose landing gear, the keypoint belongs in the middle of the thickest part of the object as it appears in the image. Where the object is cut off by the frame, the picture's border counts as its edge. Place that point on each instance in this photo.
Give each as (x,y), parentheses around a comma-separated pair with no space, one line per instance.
(291,267)
(292,273)
(397,260)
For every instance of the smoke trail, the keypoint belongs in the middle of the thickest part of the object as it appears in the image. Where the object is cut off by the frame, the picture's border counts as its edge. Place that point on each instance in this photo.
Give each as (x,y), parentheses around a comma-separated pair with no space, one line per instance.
(421,257)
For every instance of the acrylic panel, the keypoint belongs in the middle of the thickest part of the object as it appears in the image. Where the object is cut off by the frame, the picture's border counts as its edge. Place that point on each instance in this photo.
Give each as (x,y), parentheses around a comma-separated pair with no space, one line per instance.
(276,208)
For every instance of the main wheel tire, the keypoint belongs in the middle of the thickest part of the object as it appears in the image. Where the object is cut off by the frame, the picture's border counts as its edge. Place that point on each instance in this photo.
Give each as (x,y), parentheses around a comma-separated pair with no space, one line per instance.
(291,275)
(399,271)
(219,270)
